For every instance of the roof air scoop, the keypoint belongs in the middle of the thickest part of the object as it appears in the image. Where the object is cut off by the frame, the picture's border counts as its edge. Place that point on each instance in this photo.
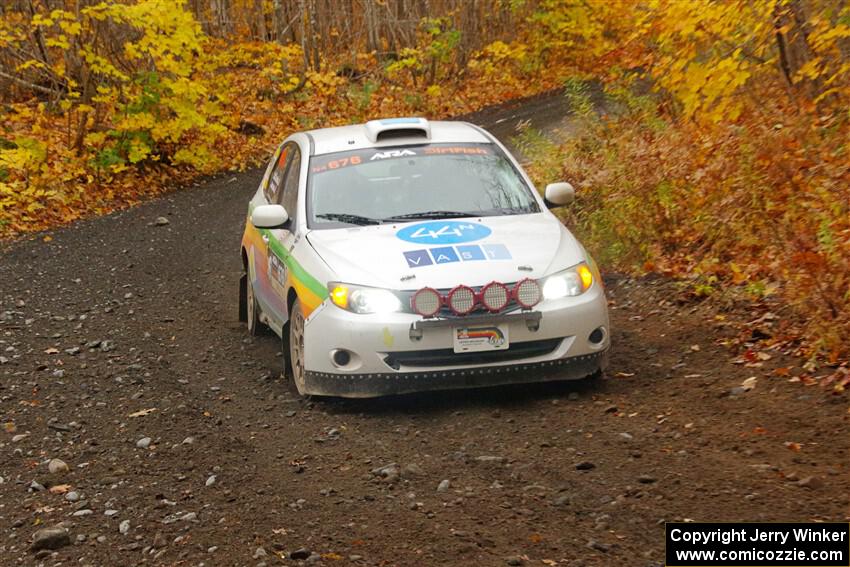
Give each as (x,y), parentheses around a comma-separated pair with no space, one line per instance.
(397,128)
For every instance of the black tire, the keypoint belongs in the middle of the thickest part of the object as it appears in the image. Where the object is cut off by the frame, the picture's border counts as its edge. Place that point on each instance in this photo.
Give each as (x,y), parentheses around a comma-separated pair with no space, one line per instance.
(252,309)
(296,346)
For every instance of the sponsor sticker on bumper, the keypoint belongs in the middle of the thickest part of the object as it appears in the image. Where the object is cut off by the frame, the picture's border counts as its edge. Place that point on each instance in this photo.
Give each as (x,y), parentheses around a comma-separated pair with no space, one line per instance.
(473,339)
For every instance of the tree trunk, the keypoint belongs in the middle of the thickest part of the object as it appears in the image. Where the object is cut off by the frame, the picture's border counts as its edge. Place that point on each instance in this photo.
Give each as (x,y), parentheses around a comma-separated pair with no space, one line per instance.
(260,19)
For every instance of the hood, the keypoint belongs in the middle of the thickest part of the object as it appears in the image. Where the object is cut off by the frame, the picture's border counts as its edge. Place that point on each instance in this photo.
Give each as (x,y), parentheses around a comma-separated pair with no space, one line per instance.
(445,253)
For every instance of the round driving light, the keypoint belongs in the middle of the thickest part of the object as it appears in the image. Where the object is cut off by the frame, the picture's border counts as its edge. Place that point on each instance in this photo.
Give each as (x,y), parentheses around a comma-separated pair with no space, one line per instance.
(495,296)
(426,302)
(461,299)
(527,293)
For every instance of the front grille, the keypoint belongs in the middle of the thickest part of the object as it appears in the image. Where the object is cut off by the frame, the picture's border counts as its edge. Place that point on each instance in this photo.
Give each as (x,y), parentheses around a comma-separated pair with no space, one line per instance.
(448,357)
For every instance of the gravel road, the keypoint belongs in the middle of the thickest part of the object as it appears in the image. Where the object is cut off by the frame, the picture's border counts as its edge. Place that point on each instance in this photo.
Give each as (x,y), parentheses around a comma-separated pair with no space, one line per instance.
(141,424)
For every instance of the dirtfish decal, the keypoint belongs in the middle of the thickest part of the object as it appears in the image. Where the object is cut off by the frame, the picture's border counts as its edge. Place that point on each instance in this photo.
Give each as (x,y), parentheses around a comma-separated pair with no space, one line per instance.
(443,232)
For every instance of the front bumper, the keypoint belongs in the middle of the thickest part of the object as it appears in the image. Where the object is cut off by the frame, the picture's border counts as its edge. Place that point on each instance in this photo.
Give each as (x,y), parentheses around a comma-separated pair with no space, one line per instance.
(401,352)
(389,383)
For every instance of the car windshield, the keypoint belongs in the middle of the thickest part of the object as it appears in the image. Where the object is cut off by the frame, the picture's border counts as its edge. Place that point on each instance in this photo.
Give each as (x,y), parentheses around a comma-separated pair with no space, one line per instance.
(435,181)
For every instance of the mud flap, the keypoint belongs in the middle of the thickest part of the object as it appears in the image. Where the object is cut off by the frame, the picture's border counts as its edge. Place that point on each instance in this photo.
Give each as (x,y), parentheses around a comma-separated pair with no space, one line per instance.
(243,298)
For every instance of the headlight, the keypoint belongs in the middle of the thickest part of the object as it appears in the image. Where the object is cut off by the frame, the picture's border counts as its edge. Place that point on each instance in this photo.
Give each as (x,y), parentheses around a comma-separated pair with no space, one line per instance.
(570,282)
(359,299)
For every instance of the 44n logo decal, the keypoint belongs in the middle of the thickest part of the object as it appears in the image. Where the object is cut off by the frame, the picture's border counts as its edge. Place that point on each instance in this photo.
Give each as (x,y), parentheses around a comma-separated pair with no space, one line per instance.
(443,232)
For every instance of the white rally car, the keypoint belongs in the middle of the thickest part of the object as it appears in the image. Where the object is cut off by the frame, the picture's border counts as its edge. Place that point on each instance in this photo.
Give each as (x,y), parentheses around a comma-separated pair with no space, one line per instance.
(404,255)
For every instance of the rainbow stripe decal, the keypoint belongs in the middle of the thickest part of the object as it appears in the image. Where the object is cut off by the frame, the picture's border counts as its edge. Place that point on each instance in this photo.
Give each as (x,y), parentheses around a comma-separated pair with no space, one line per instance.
(311,292)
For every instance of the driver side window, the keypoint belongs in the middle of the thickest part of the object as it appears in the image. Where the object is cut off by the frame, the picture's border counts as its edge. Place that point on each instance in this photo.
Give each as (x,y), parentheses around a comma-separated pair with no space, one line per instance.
(274,188)
(288,196)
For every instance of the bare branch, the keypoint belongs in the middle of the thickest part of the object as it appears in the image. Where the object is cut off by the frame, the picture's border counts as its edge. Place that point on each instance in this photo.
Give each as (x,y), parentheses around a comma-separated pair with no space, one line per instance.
(28,84)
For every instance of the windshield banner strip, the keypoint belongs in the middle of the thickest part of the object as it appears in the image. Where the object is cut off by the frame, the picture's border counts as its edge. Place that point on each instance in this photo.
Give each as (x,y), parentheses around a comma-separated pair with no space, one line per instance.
(340,160)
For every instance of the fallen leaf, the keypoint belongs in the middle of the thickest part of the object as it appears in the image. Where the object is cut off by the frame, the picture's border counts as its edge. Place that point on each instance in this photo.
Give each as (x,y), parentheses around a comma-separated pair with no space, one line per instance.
(749,383)
(624,374)
(59,488)
(52,350)
(695,348)
(142,413)
(332,556)
(793,446)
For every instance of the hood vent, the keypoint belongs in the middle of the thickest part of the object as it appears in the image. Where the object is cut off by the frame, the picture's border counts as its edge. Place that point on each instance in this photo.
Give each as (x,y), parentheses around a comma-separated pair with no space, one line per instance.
(397,129)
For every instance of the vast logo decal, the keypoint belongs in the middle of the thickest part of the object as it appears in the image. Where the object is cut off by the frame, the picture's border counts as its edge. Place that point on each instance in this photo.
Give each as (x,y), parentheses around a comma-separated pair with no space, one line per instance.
(418,258)
(443,232)
(449,254)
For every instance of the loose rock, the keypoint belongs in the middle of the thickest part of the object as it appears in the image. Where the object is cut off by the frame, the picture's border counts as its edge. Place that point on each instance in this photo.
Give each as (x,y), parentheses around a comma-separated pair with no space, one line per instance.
(50,538)
(599,546)
(57,466)
(412,470)
(811,482)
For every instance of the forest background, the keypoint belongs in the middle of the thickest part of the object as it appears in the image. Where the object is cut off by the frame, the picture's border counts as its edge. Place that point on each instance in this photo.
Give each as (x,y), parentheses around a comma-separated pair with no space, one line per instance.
(720,158)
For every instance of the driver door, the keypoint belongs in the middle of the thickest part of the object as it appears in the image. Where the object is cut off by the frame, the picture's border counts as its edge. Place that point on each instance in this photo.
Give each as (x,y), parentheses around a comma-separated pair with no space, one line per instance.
(283,190)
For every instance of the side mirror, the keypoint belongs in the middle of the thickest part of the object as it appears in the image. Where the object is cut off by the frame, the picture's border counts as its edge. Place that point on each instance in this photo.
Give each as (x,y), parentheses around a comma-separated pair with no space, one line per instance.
(269,216)
(558,194)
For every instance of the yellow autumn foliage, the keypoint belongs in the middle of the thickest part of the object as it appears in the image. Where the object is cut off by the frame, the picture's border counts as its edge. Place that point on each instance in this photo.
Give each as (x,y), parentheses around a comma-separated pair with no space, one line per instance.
(727,115)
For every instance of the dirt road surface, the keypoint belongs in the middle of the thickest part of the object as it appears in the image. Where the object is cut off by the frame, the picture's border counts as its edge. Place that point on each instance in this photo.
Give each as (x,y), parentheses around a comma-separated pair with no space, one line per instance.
(121,356)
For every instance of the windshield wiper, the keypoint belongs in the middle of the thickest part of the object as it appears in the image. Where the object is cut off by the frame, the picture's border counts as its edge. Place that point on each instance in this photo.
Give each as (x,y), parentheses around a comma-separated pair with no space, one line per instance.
(350,219)
(432,215)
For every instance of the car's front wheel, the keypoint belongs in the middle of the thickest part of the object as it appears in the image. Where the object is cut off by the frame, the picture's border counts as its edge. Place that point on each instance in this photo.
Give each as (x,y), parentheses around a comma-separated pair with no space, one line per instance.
(296,345)
(252,309)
